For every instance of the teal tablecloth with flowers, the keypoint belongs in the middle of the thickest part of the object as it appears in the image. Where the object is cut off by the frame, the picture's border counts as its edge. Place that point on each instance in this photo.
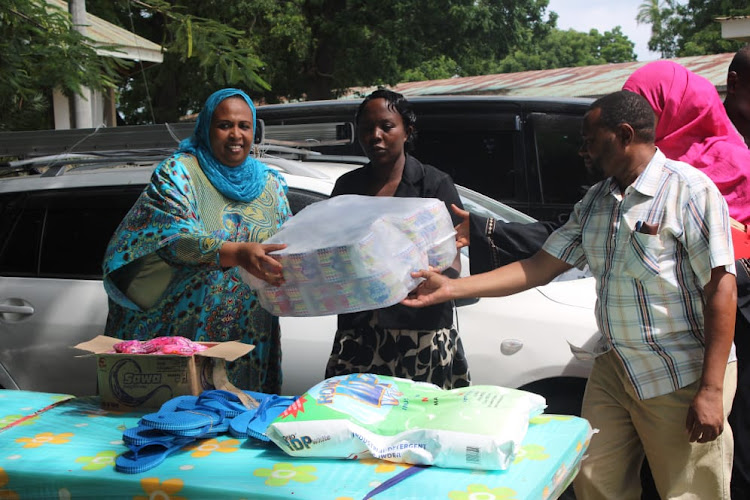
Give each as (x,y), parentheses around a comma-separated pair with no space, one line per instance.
(67,449)
(21,407)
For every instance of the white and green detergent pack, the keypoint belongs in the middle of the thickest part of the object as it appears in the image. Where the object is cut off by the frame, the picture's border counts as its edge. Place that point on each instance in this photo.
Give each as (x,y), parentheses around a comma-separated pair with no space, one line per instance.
(365,415)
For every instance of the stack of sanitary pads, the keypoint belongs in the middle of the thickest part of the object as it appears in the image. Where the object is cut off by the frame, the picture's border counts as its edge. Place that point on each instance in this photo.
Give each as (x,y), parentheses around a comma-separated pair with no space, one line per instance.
(353,253)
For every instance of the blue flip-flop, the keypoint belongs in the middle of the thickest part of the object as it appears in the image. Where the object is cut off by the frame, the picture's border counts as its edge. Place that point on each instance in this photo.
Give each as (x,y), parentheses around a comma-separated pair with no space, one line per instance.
(197,416)
(145,457)
(238,427)
(192,421)
(170,406)
(254,423)
(142,435)
(217,399)
(174,403)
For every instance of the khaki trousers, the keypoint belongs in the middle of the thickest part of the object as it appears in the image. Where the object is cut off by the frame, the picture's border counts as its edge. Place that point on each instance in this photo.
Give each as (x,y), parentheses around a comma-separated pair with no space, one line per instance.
(629,427)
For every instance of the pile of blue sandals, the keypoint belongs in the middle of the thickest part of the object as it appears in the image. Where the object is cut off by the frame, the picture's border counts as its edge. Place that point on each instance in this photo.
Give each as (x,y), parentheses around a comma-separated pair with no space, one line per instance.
(186,419)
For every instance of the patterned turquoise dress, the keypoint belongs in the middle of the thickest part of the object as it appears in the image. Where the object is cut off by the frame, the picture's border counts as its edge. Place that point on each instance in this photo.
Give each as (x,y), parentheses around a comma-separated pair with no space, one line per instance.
(162,272)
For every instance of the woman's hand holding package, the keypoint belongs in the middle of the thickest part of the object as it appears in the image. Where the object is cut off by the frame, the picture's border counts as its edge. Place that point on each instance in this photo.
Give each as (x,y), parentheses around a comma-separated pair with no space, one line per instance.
(462,229)
(254,258)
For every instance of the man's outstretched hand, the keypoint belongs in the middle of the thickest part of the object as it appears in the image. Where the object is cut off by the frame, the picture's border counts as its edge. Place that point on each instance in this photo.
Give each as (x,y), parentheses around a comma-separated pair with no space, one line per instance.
(435,289)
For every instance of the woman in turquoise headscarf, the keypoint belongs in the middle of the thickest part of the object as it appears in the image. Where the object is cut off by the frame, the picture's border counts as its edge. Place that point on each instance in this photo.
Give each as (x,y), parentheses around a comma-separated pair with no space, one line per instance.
(171,266)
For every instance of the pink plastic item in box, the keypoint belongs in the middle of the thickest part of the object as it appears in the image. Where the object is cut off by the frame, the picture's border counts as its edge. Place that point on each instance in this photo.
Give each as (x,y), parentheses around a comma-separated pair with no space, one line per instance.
(160,345)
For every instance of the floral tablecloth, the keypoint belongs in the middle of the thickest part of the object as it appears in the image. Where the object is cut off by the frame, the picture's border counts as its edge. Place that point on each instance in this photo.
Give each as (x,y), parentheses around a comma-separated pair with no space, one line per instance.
(21,407)
(57,446)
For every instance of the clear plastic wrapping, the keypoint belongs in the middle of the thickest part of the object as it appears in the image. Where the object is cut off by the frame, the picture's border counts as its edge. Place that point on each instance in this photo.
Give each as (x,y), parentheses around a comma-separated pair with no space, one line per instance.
(353,253)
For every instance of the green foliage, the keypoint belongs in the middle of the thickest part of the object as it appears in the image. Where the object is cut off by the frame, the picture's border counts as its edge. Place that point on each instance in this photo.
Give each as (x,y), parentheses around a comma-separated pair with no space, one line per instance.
(39,50)
(221,51)
(205,49)
(317,49)
(438,68)
(660,15)
(561,49)
(691,29)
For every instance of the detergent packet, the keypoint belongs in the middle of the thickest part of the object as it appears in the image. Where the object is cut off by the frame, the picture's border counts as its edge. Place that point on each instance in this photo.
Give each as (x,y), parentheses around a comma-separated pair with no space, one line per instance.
(365,415)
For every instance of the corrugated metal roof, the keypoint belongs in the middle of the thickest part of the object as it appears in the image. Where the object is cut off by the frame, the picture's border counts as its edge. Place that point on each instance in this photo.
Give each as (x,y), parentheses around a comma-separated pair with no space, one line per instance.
(583,81)
(131,46)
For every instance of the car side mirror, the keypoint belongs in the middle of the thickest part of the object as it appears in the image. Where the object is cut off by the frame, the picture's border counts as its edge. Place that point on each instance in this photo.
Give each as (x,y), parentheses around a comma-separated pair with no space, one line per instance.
(260,131)
(345,132)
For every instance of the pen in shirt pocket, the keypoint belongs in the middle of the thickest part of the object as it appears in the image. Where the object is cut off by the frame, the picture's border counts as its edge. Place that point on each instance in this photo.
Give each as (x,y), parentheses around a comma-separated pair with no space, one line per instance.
(646,228)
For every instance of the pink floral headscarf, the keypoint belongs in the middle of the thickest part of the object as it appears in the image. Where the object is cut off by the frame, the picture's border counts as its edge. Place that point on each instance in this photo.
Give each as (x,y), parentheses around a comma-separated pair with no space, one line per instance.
(694,127)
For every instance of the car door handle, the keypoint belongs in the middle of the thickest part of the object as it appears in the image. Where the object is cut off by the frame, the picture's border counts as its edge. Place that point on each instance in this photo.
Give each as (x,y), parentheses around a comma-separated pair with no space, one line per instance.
(7,308)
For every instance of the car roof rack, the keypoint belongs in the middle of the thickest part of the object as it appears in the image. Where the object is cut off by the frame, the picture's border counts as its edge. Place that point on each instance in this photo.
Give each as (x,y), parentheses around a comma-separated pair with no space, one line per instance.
(310,134)
(29,144)
(53,152)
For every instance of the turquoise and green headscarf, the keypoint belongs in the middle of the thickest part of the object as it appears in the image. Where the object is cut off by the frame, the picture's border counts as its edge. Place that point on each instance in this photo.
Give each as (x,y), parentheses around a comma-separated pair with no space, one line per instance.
(241,183)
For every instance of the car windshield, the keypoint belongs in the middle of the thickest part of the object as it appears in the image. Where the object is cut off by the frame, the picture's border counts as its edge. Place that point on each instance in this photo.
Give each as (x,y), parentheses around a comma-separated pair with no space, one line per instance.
(485,206)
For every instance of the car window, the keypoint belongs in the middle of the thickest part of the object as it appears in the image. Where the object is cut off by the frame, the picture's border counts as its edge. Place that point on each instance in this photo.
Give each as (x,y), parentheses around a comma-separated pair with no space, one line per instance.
(562,176)
(60,234)
(485,206)
(480,159)
(478,150)
(299,198)
(64,233)
(21,222)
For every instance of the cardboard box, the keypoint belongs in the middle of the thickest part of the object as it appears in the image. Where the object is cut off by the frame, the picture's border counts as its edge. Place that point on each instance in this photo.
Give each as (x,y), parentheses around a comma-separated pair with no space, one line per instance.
(129,381)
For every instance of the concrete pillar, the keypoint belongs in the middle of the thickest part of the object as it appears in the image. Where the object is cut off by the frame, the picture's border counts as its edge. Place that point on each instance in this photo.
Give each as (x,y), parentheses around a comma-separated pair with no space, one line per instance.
(81,103)
(110,108)
(62,107)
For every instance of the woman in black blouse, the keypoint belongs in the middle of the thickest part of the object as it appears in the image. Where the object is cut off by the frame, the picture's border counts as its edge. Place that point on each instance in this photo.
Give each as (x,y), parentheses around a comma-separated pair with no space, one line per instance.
(418,344)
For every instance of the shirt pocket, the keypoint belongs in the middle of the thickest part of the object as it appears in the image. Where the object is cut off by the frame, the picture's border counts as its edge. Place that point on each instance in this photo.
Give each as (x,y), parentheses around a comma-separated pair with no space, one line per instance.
(642,254)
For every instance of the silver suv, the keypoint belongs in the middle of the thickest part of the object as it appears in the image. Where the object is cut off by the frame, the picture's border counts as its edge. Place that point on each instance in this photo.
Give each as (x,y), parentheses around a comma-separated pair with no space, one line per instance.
(57,215)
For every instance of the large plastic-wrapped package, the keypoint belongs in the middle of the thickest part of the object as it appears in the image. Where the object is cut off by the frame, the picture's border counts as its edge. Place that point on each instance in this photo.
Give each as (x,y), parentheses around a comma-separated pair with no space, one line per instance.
(354,253)
(365,415)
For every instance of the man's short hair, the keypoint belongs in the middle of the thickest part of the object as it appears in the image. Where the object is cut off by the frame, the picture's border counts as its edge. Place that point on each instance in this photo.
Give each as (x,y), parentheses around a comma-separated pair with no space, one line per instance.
(628,107)
(741,62)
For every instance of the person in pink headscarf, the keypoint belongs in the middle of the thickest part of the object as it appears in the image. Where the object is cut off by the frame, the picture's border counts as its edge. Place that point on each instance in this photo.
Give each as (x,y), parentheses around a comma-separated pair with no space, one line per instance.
(693,127)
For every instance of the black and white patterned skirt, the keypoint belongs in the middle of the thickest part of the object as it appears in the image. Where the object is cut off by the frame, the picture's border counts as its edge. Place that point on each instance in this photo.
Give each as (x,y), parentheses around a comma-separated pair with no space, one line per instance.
(435,356)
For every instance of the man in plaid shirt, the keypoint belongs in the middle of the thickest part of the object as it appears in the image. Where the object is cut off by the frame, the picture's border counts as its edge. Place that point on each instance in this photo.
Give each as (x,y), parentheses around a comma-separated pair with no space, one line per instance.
(656,235)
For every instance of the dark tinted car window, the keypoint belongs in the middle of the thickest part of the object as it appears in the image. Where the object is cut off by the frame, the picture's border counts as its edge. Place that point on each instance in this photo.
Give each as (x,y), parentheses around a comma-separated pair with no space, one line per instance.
(64,234)
(479,159)
(61,234)
(557,141)
(562,176)
(299,199)
(21,222)
(78,228)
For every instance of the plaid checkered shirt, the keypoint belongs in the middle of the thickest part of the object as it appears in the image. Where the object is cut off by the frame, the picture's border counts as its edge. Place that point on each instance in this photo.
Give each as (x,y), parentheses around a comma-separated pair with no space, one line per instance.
(651,250)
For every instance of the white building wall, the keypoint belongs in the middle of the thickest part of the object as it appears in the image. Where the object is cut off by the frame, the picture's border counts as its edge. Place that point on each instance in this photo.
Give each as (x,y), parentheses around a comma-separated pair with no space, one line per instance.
(735,28)
(97,111)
